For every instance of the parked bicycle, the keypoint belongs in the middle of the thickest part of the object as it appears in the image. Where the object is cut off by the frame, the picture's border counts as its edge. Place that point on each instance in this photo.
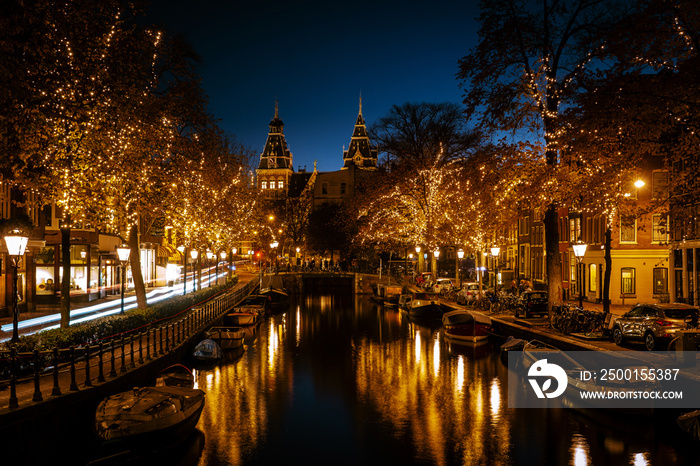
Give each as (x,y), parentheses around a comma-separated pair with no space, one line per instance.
(573,319)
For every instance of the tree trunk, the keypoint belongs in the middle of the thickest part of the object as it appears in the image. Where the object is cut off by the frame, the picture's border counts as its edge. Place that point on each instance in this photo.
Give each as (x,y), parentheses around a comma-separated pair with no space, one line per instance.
(551,217)
(608,271)
(551,235)
(65,282)
(135,262)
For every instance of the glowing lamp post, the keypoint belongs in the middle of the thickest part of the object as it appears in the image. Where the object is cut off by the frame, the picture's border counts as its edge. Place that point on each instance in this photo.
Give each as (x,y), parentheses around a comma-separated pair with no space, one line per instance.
(494,252)
(194,254)
(223,260)
(579,252)
(436,255)
(123,252)
(273,246)
(16,244)
(210,256)
(419,260)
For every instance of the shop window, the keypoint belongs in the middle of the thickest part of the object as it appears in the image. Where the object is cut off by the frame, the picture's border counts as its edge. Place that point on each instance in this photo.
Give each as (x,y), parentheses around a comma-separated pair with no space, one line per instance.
(628,282)
(45,280)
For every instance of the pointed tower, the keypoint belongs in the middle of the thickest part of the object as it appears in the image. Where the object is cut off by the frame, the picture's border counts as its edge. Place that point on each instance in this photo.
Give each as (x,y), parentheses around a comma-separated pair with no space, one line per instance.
(275,168)
(360,152)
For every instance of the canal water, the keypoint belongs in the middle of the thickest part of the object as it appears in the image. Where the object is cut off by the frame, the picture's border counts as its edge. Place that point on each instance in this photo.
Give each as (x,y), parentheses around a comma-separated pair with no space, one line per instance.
(339,380)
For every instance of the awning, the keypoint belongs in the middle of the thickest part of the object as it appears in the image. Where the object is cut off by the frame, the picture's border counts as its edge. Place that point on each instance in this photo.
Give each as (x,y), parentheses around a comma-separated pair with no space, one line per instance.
(167,250)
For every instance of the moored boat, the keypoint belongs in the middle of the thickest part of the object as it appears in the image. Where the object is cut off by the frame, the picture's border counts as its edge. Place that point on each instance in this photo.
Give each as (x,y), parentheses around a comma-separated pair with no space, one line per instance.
(207,350)
(176,375)
(227,337)
(466,325)
(240,317)
(149,414)
(278,297)
(255,304)
(425,304)
(387,294)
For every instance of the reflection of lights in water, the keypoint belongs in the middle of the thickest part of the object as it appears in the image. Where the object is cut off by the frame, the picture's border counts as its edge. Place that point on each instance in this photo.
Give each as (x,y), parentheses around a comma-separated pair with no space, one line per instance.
(272,345)
(209,378)
(436,356)
(298,328)
(417,345)
(640,459)
(196,378)
(325,302)
(459,381)
(431,412)
(495,399)
(579,450)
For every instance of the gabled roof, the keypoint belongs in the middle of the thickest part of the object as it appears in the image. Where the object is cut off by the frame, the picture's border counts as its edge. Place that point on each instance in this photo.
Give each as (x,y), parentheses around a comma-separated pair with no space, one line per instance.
(276,154)
(360,152)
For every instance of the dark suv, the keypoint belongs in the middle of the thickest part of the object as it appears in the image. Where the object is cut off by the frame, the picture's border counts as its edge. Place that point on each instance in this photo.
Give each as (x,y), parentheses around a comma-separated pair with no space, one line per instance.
(530,303)
(654,322)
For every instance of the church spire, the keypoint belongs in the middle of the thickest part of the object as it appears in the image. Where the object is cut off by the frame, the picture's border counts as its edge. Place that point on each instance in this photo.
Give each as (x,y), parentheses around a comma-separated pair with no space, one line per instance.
(360,153)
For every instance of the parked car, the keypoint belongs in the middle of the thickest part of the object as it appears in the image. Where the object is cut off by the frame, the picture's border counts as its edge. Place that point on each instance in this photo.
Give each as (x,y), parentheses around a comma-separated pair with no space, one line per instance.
(443,285)
(531,303)
(468,292)
(654,323)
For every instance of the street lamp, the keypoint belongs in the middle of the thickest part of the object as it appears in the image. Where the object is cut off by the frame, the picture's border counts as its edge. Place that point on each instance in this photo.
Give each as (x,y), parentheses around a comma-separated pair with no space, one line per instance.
(210,256)
(579,252)
(460,256)
(495,250)
(436,254)
(194,254)
(223,259)
(123,252)
(274,245)
(16,244)
(419,261)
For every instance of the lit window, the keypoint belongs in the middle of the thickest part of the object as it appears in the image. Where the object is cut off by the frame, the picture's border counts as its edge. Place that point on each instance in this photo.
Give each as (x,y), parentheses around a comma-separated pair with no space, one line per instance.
(628,230)
(264,185)
(280,184)
(659,230)
(660,280)
(592,277)
(272,185)
(628,283)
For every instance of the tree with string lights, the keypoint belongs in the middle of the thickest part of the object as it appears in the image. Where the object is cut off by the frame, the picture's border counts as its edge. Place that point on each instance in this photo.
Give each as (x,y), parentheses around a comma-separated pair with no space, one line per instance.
(529,61)
(641,113)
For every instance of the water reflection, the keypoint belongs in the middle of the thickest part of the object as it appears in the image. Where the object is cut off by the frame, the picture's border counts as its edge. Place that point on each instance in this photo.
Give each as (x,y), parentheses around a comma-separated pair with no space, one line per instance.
(339,380)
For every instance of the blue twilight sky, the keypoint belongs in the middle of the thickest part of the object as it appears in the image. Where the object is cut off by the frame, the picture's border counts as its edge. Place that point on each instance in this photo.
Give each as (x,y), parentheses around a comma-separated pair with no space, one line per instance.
(316,58)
